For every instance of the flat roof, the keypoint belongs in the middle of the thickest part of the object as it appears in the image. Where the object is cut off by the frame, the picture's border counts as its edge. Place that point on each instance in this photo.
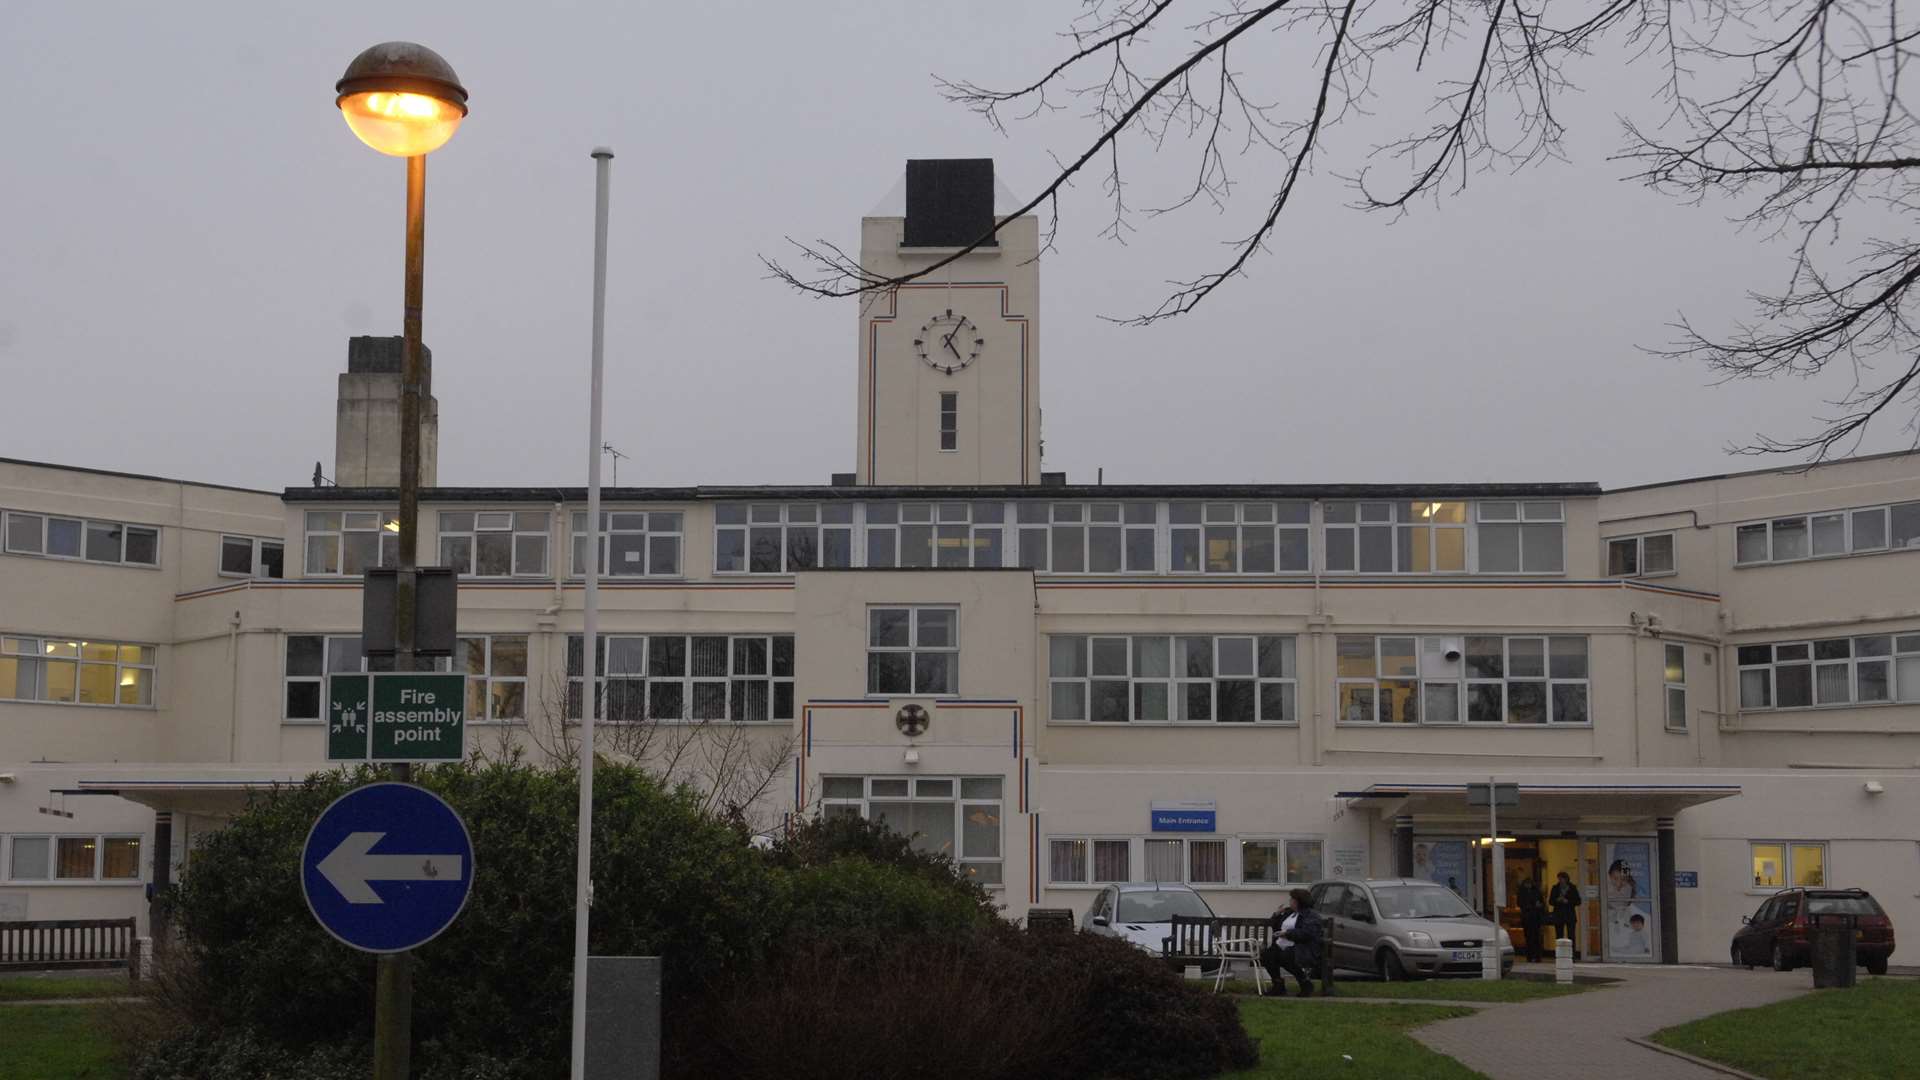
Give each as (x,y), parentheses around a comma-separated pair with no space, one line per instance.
(829,493)
(1777,471)
(132,476)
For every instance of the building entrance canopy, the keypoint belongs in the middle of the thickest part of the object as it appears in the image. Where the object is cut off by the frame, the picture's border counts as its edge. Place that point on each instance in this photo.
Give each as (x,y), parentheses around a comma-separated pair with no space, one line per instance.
(1588,807)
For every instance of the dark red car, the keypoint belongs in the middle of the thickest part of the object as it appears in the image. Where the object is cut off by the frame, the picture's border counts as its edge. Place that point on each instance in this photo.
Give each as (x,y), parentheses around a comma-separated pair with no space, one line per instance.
(1778,934)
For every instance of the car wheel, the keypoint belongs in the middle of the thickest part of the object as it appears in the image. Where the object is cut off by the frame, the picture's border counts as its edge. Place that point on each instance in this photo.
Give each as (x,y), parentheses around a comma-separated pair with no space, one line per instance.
(1391,969)
(1780,958)
(1740,958)
(1877,967)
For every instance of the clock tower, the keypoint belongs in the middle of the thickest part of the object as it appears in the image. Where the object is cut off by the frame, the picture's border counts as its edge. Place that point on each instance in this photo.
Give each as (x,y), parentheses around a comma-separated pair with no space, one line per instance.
(950,363)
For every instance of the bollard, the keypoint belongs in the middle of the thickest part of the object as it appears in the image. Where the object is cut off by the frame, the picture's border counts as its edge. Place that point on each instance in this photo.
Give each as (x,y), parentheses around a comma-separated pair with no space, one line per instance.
(1563,961)
(1490,959)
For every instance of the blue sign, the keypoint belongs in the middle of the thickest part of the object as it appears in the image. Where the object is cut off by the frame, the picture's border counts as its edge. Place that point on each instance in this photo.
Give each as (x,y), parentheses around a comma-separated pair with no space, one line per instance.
(387,867)
(1185,816)
(1686,879)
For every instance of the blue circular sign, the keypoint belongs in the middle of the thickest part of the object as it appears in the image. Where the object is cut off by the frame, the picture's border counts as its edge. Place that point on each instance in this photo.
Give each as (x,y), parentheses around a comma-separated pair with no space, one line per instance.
(387,867)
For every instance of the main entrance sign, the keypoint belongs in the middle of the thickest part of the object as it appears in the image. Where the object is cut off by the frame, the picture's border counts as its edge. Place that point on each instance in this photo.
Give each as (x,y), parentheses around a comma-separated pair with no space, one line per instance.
(396,716)
(387,867)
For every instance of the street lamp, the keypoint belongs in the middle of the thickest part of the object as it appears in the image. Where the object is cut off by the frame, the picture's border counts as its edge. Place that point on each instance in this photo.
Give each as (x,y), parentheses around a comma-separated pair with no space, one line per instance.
(402,99)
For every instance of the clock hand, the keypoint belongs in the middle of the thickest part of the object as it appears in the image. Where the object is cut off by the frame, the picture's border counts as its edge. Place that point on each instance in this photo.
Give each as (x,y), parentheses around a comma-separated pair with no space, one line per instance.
(951,349)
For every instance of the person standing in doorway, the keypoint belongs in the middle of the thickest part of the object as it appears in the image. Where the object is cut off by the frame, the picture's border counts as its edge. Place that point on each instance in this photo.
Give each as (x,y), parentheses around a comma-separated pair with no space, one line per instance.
(1308,933)
(1564,900)
(1533,912)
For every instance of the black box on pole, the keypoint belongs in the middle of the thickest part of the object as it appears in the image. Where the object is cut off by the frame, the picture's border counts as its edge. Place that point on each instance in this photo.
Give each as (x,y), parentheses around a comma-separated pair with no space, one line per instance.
(436,602)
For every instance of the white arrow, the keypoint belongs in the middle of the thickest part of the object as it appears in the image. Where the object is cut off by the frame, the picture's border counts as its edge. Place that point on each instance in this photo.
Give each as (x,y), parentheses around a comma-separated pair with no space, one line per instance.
(349,867)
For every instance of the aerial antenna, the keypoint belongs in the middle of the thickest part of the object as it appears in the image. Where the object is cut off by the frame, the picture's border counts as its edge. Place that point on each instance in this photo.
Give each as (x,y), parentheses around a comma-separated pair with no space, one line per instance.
(607,448)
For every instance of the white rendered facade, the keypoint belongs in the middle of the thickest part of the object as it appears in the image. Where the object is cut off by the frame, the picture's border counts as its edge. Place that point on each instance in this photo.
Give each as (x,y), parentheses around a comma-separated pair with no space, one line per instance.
(1273,661)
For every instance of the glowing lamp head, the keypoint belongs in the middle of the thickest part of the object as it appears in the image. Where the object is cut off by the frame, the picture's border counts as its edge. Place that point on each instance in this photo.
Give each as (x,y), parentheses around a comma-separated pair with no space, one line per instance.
(401,99)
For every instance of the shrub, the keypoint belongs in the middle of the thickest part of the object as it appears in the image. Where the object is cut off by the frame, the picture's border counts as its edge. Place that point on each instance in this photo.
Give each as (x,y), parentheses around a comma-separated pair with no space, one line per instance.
(852,896)
(818,841)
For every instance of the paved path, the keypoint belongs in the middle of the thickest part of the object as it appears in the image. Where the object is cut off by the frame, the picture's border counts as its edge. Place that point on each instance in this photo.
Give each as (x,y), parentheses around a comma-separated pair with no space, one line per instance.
(1585,1035)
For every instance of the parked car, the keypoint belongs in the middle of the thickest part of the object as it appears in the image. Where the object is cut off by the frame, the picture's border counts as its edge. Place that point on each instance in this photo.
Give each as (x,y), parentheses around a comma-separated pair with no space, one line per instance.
(1777,934)
(1141,912)
(1405,928)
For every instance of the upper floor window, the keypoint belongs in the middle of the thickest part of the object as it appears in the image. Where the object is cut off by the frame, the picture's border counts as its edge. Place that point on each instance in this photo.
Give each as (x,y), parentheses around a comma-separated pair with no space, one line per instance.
(496,671)
(55,537)
(1481,679)
(949,421)
(350,541)
(781,538)
(1676,687)
(1868,670)
(76,672)
(1238,538)
(310,658)
(1640,556)
(1526,537)
(948,534)
(1839,532)
(742,678)
(252,556)
(913,650)
(495,543)
(1077,538)
(1418,537)
(1228,678)
(632,544)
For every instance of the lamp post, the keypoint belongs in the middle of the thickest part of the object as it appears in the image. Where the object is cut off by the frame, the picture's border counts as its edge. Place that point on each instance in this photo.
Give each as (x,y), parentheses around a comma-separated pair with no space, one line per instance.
(403,100)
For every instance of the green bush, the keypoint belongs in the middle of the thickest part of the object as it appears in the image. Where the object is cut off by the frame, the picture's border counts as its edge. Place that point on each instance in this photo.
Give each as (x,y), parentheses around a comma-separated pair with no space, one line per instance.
(818,841)
(852,896)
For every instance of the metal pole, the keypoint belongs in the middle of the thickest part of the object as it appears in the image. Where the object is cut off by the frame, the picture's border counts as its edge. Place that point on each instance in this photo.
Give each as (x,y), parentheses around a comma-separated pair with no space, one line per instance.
(393,984)
(590,635)
(1499,866)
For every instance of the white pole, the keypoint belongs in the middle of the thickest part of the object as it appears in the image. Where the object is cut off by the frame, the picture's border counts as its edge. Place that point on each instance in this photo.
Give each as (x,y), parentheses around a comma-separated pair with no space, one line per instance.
(589,644)
(1499,890)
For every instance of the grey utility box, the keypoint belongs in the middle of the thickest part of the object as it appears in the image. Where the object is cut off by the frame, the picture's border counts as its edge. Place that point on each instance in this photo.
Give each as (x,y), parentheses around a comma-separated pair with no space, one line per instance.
(623,1018)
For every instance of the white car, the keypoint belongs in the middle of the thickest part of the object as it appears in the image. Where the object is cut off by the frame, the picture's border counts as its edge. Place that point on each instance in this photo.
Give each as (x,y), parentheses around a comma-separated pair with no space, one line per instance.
(1141,912)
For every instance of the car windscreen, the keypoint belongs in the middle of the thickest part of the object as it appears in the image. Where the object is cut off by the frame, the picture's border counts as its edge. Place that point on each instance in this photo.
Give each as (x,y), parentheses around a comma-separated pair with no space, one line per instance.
(1161,906)
(1420,902)
(1841,904)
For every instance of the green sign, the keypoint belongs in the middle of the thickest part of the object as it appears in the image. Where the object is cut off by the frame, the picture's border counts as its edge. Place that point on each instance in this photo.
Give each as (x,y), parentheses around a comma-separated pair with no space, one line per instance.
(396,716)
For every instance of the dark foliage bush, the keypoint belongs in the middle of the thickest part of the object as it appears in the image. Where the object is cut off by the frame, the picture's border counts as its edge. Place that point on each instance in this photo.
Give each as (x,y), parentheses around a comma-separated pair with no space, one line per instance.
(851,896)
(818,841)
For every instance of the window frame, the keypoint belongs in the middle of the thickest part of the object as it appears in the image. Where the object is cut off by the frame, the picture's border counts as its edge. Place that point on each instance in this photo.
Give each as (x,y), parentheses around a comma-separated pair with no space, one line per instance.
(9,843)
(122,533)
(1192,523)
(1639,543)
(42,654)
(1465,682)
(257,548)
(1788,876)
(1903,650)
(785,525)
(1034,526)
(487,678)
(619,523)
(913,650)
(640,683)
(1672,686)
(1849,517)
(1523,516)
(963,860)
(288,680)
(1402,518)
(314,526)
(1176,682)
(949,421)
(449,530)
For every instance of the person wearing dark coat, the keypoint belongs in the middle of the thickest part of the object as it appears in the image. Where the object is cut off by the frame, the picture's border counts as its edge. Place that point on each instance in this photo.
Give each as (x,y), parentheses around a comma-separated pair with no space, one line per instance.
(1564,900)
(1308,934)
(1533,912)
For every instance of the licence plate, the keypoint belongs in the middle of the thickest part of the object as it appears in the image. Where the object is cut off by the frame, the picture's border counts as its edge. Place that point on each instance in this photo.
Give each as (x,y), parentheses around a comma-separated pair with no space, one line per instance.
(1466,954)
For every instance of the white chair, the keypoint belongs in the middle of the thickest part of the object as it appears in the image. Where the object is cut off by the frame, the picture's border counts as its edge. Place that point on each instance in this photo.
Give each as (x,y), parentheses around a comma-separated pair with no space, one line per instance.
(1230,950)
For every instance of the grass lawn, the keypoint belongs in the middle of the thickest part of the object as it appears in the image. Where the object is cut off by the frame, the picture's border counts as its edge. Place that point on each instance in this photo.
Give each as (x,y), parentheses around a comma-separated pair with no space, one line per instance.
(1306,1040)
(56,1042)
(1443,989)
(47,987)
(1867,1033)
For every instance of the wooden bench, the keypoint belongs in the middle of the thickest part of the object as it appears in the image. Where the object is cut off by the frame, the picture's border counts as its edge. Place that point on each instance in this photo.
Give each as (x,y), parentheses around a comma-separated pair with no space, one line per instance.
(1193,936)
(52,944)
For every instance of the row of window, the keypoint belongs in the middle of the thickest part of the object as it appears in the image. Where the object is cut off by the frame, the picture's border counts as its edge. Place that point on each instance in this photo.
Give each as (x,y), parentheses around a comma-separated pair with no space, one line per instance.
(53,537)
(72,858)
(1474,679)
(1242,860)
(1869,670)
(1818,536)
(76,672)
(956,816)
(1161,678)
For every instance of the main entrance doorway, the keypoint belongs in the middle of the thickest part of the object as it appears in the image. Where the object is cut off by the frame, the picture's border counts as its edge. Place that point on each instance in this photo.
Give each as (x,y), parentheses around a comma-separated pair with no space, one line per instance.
(1616,917)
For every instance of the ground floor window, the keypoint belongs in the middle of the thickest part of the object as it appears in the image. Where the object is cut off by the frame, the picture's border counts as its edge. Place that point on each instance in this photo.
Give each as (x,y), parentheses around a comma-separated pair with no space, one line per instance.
(1780,863)
(956,816)
(1204,861)
(89,857)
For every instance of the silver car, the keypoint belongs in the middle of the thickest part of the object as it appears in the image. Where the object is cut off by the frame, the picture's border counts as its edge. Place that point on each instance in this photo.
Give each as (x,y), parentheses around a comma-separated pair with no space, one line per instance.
(1405,928)
(1141,913)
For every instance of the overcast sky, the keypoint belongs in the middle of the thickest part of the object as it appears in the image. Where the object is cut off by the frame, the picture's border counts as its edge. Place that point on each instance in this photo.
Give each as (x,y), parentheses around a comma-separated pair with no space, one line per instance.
(190,235)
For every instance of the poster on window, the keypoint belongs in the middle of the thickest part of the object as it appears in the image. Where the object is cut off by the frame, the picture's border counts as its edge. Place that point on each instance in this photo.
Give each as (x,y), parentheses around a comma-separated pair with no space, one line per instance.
(1443,862)
(1626,889)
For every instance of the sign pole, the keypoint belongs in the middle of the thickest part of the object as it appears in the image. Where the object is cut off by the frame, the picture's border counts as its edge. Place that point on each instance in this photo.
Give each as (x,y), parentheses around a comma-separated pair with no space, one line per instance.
(1499,889)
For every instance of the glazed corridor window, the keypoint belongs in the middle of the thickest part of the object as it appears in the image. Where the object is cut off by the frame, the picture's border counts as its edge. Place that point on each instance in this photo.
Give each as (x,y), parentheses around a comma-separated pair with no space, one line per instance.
(1524,537)
(956,816)
(632,543)
(76,672)
(1070,860)
(1196,862)
(742,679)
(913,650)
(780,538)
(1474,679)
(1087,538)
(1778,864)
(496,671)
(1240,538)
(249,556)
(1676,685)
(347,542)
(1197,679)
(951,534)
(495,543)
(1419,537)
(55,537)
(1262,862)
(310,659)
(1640,556)
(1818,536)
(1867,670)
(73,858)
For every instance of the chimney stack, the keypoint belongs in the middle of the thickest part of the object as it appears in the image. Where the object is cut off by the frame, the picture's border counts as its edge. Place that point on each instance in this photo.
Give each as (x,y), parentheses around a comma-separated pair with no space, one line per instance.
(366,432)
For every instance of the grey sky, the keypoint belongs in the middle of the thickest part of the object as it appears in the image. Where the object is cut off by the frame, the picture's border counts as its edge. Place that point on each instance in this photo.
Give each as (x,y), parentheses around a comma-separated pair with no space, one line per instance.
(191,233)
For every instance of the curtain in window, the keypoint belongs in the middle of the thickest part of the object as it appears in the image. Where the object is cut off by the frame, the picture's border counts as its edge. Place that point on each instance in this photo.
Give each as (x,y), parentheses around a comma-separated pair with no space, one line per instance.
(1110,860)
(1164,858)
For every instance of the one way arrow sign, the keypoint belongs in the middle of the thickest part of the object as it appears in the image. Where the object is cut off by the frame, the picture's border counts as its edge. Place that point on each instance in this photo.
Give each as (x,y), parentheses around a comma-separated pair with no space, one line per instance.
(387,867)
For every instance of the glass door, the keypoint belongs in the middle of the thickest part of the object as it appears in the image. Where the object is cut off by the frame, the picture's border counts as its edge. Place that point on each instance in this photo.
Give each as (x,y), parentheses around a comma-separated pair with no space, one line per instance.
(1629,916)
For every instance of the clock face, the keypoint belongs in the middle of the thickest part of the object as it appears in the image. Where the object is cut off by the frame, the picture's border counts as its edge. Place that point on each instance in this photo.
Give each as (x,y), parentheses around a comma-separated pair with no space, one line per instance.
(948,342)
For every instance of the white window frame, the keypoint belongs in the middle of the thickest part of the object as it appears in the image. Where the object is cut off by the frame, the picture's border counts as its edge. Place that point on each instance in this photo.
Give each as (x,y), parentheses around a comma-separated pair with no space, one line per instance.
(1786,864)
(340,524)
(1849,519)
(1902,655)
(1194,526)
(780,530)
(486,679)
(6,867)
(327,661)
(256,557)
(1638,545)
(1175,683)
(517,526)
(949,421)
(1674,700)
(1525,512)
(1047,530)
(121,531)
(969,863)
(1426,646)
(660,531)
(1400,518)
(913,650)
(1285,843)
(637,679)
(97,874)
(40,650)
(950,534)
